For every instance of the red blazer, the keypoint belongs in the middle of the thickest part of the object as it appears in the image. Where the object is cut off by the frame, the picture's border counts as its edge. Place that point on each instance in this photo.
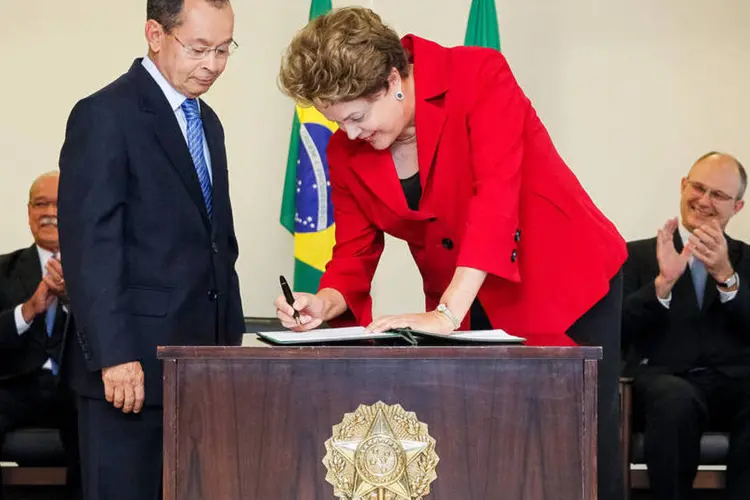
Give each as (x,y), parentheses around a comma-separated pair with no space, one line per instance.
(496,196)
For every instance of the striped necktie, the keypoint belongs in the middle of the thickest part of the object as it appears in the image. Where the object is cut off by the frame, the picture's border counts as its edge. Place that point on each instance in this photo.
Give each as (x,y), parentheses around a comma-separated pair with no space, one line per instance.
(195,145)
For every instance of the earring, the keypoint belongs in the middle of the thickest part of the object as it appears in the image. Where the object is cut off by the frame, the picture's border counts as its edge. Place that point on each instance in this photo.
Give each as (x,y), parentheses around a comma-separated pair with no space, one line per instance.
(399,96)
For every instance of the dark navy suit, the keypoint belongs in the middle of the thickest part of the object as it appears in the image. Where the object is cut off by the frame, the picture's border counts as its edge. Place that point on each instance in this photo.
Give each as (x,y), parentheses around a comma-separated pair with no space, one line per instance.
(145,266)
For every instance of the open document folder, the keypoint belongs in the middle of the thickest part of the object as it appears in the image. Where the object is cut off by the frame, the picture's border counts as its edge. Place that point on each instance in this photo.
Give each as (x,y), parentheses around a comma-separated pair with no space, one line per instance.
(413,337)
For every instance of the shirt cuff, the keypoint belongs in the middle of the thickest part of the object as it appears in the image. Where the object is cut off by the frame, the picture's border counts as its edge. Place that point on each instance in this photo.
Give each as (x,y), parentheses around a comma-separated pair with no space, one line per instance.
(21,325)
(667,301)
(727,296)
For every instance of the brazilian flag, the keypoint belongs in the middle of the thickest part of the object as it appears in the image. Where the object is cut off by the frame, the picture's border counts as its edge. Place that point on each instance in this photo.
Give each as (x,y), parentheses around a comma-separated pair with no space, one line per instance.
(306,209)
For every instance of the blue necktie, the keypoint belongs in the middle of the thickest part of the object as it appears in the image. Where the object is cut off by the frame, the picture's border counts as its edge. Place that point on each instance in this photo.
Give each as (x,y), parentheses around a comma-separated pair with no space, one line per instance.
(50,323)
(698,270)
(195,145)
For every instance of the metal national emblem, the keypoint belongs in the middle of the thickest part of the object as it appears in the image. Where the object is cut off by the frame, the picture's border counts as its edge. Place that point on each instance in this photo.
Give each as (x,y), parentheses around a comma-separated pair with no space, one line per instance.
(380,452)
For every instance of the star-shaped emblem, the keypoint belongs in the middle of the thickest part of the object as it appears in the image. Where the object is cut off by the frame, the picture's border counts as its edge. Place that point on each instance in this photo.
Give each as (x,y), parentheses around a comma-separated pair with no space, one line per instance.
(381,460)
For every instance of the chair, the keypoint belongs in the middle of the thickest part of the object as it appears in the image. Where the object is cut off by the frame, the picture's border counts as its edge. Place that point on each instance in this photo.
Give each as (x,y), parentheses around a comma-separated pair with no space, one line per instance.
(714,450)
(39,455)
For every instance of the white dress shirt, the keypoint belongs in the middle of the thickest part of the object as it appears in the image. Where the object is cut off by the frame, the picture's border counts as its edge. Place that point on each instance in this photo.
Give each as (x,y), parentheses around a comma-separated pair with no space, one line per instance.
(175,101)
(724,296)
(21,325)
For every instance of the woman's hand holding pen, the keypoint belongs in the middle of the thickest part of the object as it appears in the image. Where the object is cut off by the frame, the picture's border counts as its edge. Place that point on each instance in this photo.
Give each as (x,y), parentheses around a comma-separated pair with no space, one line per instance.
(310,308)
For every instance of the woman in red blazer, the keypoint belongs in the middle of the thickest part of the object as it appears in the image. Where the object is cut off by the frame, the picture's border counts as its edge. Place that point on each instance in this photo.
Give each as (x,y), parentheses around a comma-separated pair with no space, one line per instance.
(439,147)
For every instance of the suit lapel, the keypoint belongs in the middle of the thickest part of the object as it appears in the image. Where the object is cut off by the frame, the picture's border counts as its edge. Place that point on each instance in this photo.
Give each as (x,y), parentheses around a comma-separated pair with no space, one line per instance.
(29,271)
(60,320)
(212,129)
(173,143)
(378,174)
(735,252)
(710,293)
(169,135)
(431,67)
(376,168)
(29,275)
(429,120)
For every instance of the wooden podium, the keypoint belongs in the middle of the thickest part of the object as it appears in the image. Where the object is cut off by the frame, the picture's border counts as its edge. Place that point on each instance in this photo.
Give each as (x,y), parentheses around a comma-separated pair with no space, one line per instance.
(250,423)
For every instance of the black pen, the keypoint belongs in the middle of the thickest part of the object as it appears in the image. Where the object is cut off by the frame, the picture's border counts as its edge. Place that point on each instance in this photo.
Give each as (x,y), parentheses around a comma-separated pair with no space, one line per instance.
(289,297)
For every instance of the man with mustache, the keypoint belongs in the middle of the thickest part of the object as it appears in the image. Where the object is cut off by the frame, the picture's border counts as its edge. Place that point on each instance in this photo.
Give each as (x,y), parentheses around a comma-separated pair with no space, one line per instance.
(686,316)
(33,315)
(147,239)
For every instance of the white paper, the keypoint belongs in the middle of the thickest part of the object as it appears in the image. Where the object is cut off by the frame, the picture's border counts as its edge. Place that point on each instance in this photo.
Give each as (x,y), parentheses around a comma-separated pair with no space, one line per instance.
(493,336)
(490,335)
(323,335)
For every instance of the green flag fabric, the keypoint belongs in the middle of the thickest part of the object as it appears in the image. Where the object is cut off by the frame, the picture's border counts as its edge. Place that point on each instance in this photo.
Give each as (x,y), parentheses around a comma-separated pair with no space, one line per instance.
(482,29)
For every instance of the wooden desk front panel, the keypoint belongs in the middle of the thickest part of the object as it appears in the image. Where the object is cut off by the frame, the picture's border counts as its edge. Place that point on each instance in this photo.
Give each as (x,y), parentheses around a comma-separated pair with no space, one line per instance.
(516,429)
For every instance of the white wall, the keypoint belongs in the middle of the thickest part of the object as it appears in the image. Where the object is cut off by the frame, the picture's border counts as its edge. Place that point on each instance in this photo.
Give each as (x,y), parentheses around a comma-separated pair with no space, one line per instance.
(631,90)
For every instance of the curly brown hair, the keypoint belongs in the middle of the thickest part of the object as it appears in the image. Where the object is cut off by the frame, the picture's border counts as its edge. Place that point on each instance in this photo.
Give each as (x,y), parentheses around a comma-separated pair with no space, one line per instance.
(343,55)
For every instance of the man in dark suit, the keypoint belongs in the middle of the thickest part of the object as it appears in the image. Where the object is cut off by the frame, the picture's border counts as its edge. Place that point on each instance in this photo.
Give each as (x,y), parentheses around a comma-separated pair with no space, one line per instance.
(32,327)
(147,240)
(686,315)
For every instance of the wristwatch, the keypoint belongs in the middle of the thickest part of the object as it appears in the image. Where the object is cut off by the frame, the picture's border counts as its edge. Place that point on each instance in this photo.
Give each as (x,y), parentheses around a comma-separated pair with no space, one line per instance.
(730,282)
(443,309)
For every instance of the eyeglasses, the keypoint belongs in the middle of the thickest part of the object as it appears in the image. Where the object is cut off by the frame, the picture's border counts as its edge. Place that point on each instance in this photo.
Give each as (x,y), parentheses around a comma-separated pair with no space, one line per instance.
(701,189)
(222,51)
